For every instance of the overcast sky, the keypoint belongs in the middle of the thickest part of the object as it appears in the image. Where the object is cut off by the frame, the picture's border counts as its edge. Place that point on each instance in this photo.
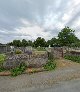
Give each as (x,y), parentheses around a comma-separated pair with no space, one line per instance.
(29,19)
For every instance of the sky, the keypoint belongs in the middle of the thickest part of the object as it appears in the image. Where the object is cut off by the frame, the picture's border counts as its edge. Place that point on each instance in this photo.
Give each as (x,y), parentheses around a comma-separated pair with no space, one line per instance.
(29,19)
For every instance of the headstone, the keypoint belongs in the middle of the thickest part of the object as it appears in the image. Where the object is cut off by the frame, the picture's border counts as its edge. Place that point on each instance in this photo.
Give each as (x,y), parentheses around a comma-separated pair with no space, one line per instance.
(49,46)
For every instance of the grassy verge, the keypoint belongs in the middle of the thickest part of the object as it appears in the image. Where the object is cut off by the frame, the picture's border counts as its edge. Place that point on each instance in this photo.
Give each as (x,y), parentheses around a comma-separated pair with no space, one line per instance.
(73,58)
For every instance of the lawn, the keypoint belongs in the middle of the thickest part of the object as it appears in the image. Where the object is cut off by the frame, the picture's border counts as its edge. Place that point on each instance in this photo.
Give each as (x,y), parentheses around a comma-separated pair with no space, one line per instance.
(73,58)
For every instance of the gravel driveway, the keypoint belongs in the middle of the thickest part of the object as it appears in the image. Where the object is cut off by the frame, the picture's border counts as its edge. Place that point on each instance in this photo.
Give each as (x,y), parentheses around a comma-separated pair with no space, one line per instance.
(42,79)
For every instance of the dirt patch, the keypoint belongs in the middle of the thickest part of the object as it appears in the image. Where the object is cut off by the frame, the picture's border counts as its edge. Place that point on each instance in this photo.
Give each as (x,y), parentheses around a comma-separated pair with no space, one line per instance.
(63,63)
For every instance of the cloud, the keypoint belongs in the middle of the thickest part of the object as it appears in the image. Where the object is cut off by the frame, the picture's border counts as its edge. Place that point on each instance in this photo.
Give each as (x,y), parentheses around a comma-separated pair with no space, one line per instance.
(32,31)
(32,18)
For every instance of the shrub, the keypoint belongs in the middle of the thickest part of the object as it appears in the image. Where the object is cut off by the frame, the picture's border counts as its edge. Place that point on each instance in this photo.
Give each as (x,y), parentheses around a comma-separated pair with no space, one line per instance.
(2,58)
(2,69)
(18,52)
(18,70)
(50,65)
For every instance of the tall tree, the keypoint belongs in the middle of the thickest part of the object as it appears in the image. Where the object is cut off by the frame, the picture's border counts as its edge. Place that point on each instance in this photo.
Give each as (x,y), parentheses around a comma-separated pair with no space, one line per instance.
(40,42)
(17,43)
(24,43)
(52,42)
(30,43)
(67,37)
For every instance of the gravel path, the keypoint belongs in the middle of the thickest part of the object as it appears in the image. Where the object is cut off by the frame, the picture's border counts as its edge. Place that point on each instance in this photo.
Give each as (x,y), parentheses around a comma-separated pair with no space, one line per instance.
(13,84)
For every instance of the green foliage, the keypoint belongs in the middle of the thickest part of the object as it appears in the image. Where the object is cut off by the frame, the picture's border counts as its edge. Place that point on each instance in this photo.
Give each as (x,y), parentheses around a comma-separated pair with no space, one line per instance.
(2,58)
(17,43)
(67,37)
(24,43)
(30,43)
(50,65)
(73,58)
(18,52)
(40,42)
(18,70)
(41,49)
(10,43)
(2,69)
(52,42)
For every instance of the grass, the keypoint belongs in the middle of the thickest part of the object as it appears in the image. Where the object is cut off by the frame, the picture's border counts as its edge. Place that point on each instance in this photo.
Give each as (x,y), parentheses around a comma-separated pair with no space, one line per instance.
(39,52)
(73,58)
(40,49)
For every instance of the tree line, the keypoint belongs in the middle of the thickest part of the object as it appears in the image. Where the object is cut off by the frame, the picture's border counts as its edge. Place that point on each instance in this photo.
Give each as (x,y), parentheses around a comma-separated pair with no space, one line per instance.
(66,37)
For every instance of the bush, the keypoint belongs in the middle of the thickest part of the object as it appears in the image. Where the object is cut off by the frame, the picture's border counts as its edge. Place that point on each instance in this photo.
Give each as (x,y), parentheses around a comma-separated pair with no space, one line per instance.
(18,70)
(73,58)
(50,65)
(2,58)
(2,69)
(18,52)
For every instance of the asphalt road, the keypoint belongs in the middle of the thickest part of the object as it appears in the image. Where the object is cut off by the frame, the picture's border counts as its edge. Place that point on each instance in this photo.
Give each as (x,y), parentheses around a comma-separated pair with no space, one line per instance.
(66,86)
(70,86)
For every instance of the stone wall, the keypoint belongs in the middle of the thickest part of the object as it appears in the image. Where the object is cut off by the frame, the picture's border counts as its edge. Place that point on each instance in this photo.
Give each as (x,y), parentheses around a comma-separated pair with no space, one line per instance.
(30,60)
(57,52)
(4,48)
(73,53)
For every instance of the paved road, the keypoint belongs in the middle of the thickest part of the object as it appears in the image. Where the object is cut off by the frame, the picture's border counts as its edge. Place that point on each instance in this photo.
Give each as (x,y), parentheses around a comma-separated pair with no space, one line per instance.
(66,86)
(69,86)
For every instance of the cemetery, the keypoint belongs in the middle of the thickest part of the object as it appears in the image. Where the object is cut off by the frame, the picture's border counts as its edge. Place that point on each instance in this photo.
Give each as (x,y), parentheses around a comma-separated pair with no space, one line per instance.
(39,46)
(17,60)
(26,57)
(40,55)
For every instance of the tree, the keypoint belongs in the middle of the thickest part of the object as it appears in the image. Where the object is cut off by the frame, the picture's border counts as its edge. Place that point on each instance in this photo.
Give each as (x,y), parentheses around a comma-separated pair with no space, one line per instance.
(17,43)
(11,43)
(40,42)
(24,43)
(52,42)
(67,37)
(30,43)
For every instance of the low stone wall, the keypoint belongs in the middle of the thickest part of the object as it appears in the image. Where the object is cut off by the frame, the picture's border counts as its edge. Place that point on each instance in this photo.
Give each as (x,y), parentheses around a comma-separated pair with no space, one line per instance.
(30,60)
(74,53)
(57,52)
(4,48)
